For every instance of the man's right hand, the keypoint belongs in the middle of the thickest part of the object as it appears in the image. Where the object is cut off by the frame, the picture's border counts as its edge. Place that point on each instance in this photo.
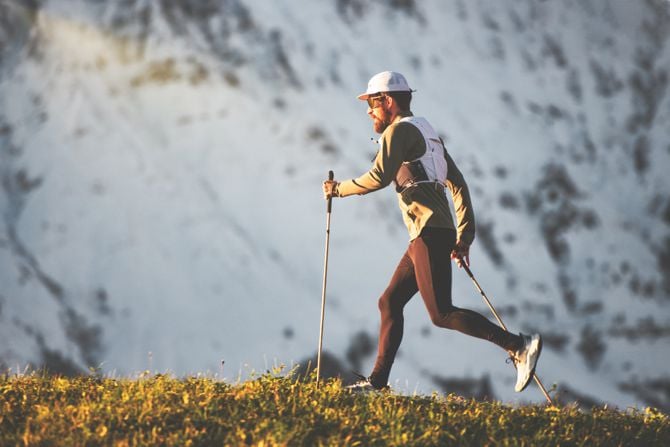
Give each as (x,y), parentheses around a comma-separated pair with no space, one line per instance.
(461,254)
(329,189)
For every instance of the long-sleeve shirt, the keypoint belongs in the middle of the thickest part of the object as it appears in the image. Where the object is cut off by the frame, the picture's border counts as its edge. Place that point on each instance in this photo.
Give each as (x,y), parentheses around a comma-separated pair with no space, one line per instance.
(424,204)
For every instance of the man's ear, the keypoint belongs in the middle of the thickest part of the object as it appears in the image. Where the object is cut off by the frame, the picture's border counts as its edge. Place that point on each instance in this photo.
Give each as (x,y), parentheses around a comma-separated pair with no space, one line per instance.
(392,104)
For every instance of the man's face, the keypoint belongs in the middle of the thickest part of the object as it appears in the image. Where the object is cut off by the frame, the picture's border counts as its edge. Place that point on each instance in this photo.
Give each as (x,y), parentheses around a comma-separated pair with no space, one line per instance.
(378,111)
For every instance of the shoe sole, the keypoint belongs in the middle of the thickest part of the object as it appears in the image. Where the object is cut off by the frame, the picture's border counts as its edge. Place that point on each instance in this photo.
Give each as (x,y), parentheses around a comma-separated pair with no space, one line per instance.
(367,390)
(532,371)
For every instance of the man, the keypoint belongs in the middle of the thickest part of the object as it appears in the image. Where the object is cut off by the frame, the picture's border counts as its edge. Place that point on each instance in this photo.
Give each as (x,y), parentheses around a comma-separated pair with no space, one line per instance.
(412,155)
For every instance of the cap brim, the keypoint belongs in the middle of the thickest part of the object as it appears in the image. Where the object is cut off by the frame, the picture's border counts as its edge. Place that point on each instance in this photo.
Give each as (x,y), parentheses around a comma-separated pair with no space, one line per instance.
(365,96)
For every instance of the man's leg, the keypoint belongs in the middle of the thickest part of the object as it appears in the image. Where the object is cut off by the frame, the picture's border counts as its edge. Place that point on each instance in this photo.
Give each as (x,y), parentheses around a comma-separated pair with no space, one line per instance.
(400,290)
(431,257)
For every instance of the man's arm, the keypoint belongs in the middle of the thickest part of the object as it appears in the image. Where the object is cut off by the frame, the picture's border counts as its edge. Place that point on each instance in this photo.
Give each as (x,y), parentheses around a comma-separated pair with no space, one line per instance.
(465,216)
(394,144)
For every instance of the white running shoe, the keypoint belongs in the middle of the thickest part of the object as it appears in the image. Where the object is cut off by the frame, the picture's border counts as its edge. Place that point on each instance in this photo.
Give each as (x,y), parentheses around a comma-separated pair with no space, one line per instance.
(364,386)
(526,360)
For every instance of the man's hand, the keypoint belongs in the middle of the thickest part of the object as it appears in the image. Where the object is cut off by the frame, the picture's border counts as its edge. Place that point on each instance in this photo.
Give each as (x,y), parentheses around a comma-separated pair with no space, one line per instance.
(329,189)
(461,254)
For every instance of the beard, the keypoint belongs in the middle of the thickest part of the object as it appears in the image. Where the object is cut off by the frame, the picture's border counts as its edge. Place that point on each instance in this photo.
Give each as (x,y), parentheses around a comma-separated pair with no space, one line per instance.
(381,122)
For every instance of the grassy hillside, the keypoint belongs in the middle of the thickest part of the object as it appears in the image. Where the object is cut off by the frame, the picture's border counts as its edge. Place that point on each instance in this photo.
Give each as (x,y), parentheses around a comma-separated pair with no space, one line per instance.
(282,410)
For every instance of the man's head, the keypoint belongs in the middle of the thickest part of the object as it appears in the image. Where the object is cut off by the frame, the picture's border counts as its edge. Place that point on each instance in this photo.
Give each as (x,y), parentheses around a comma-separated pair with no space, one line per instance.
(387,95)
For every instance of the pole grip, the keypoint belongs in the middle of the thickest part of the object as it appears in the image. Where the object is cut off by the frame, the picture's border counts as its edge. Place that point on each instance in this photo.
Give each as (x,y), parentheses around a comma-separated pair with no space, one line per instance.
(467,269)
(331,176)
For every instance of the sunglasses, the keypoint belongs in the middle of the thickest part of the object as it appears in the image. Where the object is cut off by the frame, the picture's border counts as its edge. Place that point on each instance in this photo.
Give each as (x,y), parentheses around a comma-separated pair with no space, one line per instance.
(372,99)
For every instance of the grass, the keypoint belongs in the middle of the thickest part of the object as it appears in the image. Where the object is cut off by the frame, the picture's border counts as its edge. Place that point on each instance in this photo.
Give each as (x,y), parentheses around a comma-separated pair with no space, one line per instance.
(277,409)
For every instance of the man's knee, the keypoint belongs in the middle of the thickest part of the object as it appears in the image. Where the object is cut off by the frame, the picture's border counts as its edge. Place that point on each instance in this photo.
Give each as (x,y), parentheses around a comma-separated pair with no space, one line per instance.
(437,319)
(386,306)
(440,317)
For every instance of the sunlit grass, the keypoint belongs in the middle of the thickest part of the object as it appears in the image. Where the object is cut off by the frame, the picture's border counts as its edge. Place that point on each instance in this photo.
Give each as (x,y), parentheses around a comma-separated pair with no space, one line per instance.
(279,409)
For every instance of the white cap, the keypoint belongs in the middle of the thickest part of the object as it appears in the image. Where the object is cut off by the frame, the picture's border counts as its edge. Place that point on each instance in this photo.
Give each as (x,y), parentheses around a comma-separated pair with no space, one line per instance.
(386,81)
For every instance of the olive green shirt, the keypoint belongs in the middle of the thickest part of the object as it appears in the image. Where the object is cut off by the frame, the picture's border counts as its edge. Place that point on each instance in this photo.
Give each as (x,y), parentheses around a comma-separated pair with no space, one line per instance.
(423,205)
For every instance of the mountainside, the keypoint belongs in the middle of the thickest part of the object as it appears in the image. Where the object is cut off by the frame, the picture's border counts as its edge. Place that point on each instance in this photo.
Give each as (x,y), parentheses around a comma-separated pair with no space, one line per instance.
(161,167)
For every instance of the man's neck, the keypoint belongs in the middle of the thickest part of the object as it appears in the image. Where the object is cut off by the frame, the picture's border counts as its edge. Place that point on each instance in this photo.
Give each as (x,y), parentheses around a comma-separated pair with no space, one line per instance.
(400,114)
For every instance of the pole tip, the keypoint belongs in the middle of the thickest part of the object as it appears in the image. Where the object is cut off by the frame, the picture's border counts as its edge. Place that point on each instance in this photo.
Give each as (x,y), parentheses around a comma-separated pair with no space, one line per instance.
(331,175)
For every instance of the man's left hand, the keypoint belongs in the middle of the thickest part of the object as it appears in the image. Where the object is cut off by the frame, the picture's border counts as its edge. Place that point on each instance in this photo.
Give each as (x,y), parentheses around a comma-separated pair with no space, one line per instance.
(329,189)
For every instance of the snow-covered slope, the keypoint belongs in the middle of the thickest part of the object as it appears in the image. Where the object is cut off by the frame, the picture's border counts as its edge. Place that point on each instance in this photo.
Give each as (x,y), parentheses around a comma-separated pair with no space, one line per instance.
(161,171)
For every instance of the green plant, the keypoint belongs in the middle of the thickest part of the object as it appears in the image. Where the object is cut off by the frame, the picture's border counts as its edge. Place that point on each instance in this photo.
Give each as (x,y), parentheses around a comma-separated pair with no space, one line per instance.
(284,409)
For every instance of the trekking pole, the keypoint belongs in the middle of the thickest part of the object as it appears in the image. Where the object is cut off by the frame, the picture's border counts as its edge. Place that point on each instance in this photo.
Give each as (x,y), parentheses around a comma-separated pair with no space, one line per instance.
(331,176)
(502,325)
